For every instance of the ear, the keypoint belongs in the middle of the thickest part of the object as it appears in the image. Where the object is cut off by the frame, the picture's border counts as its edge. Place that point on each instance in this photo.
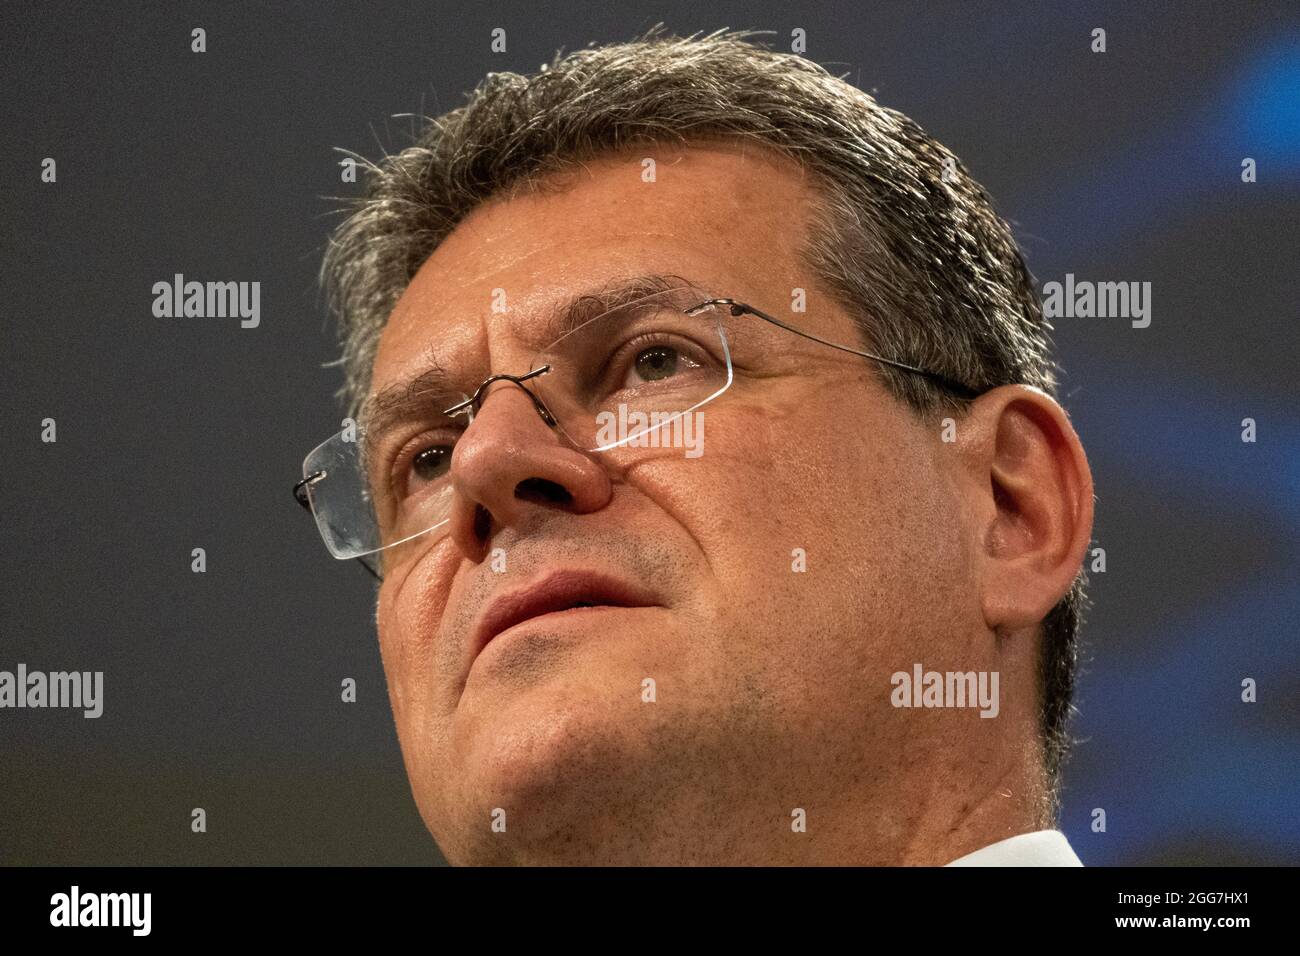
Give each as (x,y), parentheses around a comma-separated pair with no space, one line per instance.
(1031,498)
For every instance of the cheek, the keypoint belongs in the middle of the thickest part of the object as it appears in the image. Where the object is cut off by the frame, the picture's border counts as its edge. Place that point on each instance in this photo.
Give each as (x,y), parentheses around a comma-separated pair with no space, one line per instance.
(819,528)
(734,497)
(777,480)
(775,490)
(408,617)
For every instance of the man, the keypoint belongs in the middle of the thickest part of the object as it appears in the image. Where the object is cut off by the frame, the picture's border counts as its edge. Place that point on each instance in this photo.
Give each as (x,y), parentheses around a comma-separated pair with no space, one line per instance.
(705,445)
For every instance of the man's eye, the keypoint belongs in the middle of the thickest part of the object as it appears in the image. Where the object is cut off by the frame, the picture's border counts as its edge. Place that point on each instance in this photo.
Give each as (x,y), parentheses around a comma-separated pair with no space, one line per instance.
(431,464)
(656,363)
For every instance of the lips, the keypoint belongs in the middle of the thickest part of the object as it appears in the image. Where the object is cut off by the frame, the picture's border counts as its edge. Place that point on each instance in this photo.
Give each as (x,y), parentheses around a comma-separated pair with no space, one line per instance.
(559,590)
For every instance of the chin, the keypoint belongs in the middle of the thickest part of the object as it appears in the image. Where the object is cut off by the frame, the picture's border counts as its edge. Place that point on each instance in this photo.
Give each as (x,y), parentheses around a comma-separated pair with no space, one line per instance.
(550,727)
(540,753)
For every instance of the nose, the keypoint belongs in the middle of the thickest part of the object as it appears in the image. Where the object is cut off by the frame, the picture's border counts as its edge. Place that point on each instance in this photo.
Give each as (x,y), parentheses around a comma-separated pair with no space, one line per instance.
(508,463)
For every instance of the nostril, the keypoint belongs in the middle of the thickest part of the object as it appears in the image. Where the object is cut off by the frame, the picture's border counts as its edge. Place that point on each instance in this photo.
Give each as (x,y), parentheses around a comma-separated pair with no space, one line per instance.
(543,492)
(482,523)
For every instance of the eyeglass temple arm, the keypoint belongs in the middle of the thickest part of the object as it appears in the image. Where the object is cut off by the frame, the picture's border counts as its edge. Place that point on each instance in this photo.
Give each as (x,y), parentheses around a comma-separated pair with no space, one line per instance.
(300,496)
(300,489)
(737,308)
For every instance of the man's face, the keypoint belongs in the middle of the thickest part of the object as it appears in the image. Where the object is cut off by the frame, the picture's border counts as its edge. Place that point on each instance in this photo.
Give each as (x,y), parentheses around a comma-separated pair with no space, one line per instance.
(778,579)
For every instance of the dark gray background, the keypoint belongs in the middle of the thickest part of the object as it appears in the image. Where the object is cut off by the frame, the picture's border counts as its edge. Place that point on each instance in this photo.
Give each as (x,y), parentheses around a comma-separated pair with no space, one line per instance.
(222,689)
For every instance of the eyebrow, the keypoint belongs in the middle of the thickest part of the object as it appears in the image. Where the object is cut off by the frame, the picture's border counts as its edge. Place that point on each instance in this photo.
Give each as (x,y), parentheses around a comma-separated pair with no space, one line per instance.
(411,399)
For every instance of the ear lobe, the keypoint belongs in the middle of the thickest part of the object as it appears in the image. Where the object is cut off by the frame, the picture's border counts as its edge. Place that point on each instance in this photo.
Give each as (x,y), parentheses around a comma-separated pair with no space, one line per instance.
(1038,512)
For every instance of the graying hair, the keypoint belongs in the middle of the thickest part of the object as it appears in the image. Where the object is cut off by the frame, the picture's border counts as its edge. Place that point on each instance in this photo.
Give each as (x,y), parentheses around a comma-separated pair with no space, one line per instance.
(902,236)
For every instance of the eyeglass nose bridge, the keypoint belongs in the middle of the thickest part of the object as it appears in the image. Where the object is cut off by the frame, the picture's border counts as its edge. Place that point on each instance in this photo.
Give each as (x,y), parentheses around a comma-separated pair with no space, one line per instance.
(472,404)
(734,308)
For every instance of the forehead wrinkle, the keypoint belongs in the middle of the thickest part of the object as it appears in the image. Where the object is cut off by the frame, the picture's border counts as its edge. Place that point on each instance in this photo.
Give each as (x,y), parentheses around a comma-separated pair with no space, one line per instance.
(573,311)
(535,329)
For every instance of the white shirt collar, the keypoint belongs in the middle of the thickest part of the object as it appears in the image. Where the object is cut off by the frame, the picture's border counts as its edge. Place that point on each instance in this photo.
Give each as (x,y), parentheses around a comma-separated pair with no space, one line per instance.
(1041,848)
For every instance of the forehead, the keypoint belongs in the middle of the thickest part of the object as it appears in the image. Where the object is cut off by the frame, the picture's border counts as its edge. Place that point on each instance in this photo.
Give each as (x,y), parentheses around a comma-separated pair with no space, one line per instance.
(729,217)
